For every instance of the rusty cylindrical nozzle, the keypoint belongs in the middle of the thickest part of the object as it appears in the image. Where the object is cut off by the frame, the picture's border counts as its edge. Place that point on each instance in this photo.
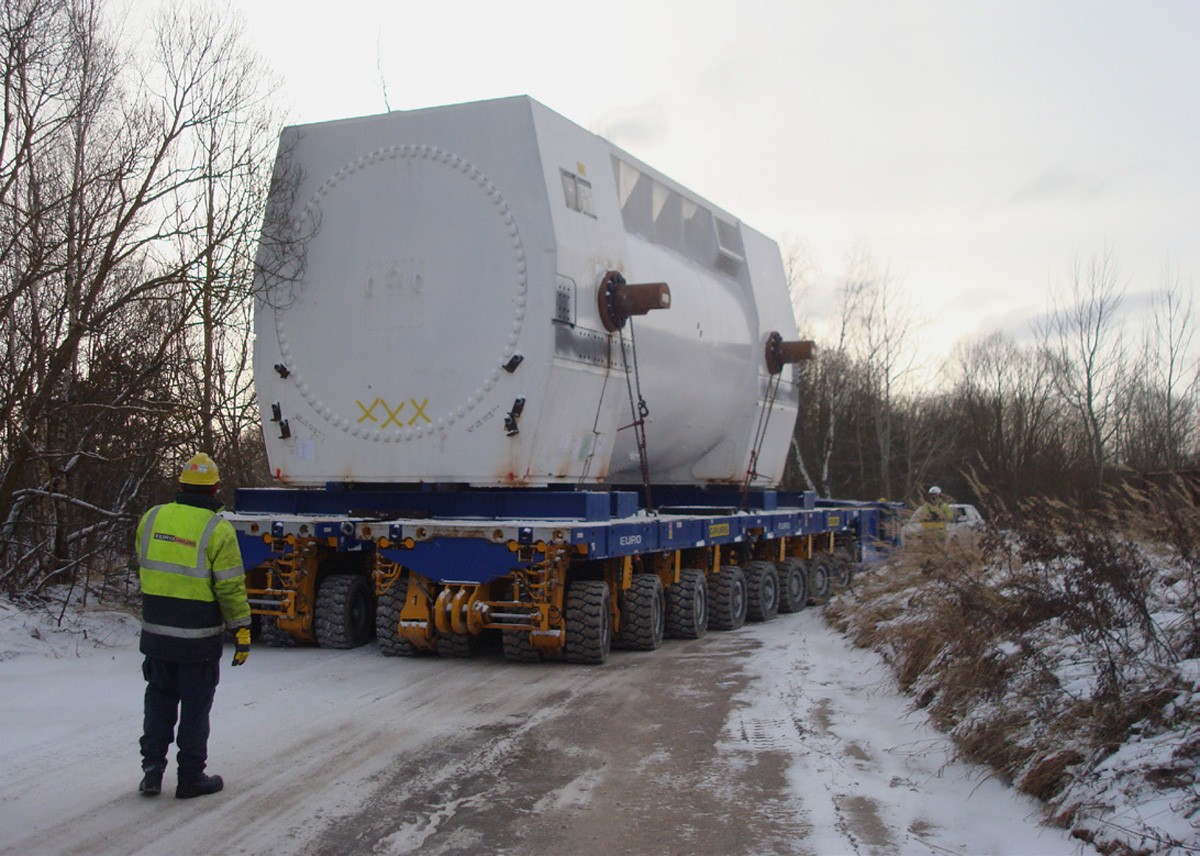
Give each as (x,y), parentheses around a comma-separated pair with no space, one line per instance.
(619,300)
(781,353)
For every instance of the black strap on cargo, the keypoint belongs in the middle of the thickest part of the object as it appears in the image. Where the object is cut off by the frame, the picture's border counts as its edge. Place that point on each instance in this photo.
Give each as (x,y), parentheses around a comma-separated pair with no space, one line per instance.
(760,435)
(638,408)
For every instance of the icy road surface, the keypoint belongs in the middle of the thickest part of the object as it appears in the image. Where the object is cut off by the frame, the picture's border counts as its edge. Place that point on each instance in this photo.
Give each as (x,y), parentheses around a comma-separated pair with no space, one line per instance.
(777,738)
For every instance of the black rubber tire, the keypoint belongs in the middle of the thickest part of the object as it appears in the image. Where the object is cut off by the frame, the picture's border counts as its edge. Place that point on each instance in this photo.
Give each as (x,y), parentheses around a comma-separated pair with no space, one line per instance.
(589,623)
(344,617)
(271,636)
(762,591)
(518,648)
(387,622)
(841,570)
(687,605)
(820,580)
(793,585)
(643,617)
(729,600)
(456,646)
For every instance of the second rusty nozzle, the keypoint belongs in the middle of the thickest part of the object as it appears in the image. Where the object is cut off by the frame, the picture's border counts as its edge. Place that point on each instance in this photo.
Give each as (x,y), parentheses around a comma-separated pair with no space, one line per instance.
(780,353)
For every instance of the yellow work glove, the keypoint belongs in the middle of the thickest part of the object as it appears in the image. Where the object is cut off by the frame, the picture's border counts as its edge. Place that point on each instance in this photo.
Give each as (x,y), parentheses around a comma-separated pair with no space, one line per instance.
(242,651)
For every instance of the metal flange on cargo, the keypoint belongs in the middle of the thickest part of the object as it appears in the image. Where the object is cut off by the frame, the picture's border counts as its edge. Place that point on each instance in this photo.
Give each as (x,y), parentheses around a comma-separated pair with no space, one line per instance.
(619,300)
(780,352)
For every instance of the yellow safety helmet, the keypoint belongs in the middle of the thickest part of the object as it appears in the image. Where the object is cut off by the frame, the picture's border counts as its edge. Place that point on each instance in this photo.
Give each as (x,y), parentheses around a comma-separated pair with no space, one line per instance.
(200,470)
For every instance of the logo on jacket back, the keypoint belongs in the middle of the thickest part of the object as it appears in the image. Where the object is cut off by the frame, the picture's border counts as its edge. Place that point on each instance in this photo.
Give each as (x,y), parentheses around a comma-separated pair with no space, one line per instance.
(174,539)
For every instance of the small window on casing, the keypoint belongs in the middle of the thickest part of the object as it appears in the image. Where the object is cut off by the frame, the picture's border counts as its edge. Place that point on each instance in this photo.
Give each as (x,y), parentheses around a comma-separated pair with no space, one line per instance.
(570,190)
(577,193)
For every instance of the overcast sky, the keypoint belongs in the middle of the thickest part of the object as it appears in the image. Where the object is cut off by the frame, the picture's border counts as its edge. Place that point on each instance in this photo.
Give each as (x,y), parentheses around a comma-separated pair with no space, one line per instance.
(975,148)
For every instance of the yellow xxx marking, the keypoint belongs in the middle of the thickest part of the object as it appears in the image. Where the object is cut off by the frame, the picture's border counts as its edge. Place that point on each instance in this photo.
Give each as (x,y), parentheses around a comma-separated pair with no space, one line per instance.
(393,414)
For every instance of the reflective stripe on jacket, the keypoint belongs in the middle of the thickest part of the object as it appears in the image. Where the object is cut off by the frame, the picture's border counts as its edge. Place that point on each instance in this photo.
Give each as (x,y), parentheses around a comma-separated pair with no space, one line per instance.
(193,584)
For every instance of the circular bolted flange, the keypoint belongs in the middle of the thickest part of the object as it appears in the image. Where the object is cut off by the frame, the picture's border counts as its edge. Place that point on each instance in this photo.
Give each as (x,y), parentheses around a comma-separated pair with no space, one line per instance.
(618,300)
(780,353)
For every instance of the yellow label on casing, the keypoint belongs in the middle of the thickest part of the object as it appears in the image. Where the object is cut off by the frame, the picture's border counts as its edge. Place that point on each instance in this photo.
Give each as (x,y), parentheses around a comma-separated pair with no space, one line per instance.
(718,530)
(393,414)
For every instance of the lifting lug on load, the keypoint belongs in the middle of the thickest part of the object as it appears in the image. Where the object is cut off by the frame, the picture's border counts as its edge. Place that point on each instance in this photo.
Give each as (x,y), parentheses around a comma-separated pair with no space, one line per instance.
(620,300)
(277,416)
(510,421)
(781,353)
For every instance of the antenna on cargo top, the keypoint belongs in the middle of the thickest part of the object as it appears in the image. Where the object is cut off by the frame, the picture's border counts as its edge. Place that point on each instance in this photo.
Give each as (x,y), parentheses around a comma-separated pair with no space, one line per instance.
(379,67)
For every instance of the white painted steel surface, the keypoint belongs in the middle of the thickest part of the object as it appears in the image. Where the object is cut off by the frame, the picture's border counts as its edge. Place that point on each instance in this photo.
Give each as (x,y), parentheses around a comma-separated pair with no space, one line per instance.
(438,245)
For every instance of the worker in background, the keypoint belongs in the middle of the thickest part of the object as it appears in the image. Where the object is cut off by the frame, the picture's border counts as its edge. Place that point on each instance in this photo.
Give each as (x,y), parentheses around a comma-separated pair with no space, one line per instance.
(193,587)
(934,514)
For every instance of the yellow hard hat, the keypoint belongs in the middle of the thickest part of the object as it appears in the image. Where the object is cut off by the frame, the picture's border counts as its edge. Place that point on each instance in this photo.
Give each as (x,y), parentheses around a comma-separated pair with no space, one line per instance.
(200,470)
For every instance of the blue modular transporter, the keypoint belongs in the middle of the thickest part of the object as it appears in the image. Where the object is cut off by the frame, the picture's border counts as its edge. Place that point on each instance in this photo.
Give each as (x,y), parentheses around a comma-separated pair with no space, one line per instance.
(551,573)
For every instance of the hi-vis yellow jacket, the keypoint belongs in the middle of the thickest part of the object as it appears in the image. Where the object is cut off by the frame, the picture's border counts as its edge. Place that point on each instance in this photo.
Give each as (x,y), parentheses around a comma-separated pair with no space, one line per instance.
(934,512)
(193,583)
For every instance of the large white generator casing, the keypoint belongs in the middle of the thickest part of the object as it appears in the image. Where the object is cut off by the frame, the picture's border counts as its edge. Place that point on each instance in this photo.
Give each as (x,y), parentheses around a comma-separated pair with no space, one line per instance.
(442,265)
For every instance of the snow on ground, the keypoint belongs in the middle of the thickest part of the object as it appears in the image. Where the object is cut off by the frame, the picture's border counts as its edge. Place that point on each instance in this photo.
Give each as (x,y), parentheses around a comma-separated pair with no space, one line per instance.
(1077,679)
(871,763)
(314,745)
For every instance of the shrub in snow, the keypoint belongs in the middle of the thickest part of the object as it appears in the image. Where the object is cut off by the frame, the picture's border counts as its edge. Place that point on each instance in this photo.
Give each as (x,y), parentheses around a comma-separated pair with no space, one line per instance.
(1061,649)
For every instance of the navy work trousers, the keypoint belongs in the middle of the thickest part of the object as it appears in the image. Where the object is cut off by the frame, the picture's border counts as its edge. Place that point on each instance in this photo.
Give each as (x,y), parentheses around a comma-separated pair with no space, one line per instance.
(184,691)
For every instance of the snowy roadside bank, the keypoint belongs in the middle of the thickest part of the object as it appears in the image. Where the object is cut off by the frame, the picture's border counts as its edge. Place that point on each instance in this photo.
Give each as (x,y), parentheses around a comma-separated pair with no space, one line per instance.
(1064,656)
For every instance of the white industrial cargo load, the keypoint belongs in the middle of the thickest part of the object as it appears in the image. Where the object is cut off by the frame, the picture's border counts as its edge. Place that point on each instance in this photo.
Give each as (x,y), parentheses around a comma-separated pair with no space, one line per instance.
(454,295)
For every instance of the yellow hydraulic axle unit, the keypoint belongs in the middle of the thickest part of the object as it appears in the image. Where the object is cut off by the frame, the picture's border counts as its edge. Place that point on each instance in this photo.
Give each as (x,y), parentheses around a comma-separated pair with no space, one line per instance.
(284,588)
(527,600)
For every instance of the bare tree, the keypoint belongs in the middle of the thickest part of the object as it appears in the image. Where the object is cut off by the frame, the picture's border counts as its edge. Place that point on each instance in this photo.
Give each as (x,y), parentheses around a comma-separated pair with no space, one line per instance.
(233,142)
(1008,419)
(858,431)
(1172,367)
(885,349)
(1051,418)
(1083,336)
(101,254)
(827,382)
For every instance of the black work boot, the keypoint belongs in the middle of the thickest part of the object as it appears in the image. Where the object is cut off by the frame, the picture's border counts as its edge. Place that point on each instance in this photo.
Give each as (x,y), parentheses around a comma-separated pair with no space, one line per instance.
(198,787)
(151,783)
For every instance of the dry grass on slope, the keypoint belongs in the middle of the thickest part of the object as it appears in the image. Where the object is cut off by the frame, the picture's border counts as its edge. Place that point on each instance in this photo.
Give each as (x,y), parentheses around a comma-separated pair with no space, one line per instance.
(1063,650)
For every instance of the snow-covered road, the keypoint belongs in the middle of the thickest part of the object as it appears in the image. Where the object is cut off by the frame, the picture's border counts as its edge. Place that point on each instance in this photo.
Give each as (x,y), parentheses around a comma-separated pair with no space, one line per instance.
(777,738)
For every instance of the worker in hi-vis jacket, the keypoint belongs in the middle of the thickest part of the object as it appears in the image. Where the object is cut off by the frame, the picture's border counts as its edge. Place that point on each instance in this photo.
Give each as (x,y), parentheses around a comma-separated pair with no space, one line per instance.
(193,588)
(934,515)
